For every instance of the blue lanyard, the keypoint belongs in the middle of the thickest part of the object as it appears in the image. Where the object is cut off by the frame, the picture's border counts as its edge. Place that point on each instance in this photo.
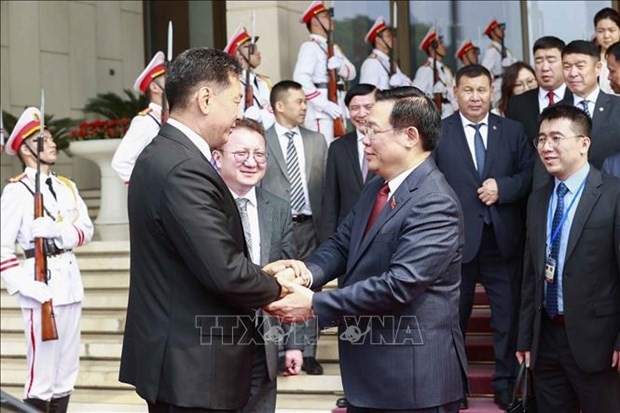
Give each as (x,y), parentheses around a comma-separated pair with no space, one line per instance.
(565,213)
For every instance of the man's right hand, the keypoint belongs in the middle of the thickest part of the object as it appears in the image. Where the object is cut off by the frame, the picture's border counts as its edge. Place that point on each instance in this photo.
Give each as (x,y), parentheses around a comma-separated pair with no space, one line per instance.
(524,356)
(36,290)
(291,270)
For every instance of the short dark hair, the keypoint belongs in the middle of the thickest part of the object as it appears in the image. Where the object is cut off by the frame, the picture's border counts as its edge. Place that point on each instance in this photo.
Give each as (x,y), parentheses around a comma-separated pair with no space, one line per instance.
(549,42)
(413,108)
(474,70)
(361,89)
(250,124)
(614,50)
(280,90)
(195,67)
(607,13)
(580,121)
(582,47)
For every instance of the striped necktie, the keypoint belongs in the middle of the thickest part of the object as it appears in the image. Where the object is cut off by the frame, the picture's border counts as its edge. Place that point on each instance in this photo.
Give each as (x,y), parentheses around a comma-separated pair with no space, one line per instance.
(584,106)
(298,200)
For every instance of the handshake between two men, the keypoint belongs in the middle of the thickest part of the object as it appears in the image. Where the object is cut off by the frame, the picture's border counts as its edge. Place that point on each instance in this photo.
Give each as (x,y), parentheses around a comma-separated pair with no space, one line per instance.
(295,301)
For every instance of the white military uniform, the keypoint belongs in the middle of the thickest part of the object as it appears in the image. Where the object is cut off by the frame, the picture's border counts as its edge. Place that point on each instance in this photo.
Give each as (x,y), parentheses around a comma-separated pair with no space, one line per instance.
(311,72)
(261,110)
(492,60)
(424,78)
(52,365)
(143,128)
(376,71)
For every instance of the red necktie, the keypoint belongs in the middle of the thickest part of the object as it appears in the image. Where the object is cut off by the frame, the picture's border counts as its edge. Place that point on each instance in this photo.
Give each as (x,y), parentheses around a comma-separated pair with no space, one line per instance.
(551,97)
(380,201)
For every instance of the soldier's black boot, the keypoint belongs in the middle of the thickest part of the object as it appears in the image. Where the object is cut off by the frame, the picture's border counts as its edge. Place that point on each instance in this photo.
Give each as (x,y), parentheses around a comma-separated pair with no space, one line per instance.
(59,405)
(39,404)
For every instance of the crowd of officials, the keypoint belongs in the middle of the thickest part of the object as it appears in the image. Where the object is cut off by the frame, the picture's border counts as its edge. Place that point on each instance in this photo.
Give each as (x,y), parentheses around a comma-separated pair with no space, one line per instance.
(245,199)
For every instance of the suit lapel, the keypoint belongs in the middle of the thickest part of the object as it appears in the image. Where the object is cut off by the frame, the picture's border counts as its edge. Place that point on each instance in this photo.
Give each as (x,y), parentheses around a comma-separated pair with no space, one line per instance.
(308,152)
(265,222)
(589,197)
(493,142)
(461,143)
(276,150)
(538,228)
(601,111)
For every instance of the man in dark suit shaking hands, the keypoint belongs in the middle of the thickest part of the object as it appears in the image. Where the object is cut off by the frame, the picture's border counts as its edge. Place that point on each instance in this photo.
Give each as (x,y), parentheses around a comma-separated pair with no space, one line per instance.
(488,161)
(193,289)
(569,328)
(401,348)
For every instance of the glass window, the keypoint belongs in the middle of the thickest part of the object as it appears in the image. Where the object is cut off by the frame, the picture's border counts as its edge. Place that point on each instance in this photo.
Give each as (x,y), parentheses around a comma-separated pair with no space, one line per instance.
(352,20)
(574,22)
(460,20)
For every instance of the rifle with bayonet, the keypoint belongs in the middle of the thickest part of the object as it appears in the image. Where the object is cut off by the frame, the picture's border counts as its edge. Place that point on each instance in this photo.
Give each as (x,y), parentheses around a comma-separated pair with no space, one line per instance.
(332,84)
(437,98)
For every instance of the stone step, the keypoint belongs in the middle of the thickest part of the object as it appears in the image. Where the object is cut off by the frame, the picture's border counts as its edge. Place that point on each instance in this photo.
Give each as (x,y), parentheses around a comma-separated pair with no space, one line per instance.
(93,321)
(93,346)
(103,298)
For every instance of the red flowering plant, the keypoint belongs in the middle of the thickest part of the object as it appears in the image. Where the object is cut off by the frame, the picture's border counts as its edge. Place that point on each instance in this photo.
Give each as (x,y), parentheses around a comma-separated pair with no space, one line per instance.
(100,129)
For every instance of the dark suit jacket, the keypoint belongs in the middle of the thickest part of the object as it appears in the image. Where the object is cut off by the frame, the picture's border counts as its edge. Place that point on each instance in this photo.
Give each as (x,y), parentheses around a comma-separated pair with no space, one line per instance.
(591,274)
(190,272)
(343,181)
(524,108)
(509,160)
(276,176)
(401,286)
(611,165)
(605,134)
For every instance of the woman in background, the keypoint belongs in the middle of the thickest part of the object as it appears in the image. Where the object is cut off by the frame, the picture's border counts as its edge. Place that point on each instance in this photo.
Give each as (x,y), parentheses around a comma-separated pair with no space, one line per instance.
(607,28)
(518,78)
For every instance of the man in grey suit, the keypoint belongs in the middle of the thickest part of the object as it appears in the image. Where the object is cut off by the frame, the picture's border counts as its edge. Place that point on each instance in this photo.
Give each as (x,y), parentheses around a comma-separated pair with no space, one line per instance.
(401,347)
(569,328)
(296,173)
(268,231)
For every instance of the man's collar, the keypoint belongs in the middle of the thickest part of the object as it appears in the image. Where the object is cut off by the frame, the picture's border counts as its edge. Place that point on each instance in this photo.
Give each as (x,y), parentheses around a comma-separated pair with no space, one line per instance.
(467,122)
(318,37)
(250,196)
(281,130)
(591,97)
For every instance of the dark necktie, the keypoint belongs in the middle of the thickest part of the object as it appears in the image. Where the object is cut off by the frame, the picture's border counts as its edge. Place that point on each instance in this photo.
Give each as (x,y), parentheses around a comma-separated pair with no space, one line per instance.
(298,199)
(584,106)
(551,299)
(48,181)
(242,206)
(364,168)
(481,152)
(380,201)
(551,97)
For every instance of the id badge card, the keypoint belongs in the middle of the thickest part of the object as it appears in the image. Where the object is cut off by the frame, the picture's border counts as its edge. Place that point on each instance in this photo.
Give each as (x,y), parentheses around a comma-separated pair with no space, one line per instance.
(550,265)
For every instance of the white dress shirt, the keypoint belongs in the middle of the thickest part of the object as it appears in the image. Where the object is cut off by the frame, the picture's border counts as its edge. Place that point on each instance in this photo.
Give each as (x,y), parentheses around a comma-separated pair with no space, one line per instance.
(543,98)
(591,100)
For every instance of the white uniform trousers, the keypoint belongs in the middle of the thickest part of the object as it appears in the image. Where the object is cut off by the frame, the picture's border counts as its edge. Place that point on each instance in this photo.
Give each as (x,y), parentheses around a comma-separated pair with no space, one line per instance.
(52,365)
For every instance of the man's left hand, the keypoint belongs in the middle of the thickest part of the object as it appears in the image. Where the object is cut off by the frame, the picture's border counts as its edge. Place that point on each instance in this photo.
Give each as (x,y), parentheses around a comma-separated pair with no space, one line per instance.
(293,360)
(615,360)
(296,306)
(488,192)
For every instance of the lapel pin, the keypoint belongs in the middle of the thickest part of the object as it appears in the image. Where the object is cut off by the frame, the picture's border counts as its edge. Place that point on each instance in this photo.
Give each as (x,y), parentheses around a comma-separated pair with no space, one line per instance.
(494,127)
(392,203)
(601,109)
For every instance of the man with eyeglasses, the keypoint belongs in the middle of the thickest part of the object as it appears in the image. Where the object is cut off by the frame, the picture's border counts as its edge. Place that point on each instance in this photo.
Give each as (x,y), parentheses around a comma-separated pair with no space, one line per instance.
(581,64)
(268,229)
(296,173)
(52,365)
(144,126)
(488,161)
(243,48)
(347,168)
(526,108)
(569,324)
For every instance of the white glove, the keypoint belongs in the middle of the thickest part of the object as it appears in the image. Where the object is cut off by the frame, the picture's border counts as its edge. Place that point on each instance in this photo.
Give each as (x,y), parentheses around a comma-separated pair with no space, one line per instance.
(36,290)
(439,88)
(335,63)
(45,227)
(507,61)
(332,109)
(398,79)
(253,112)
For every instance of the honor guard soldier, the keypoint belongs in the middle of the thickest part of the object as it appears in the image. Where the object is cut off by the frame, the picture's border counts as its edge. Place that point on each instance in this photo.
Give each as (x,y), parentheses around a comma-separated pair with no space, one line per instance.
(311,71)
(145,126)
(467,53)
(255,87)
(52,366)
(496,56)
(433,77)
(379,69)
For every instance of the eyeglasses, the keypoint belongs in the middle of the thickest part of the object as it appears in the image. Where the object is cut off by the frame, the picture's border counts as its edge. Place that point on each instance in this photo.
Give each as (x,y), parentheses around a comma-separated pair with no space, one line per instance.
(242,156)
(554,141)
(370,133)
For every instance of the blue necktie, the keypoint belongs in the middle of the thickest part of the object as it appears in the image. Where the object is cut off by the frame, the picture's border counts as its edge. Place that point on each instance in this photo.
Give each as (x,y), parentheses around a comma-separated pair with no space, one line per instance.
(584,107)
(481,152)
(551,299)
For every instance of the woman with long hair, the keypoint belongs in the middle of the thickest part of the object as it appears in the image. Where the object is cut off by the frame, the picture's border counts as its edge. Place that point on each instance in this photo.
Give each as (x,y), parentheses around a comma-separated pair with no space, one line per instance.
(518,78)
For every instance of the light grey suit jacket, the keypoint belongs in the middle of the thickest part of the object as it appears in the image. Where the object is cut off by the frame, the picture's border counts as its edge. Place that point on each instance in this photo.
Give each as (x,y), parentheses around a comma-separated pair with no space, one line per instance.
(276,177)
(400,343)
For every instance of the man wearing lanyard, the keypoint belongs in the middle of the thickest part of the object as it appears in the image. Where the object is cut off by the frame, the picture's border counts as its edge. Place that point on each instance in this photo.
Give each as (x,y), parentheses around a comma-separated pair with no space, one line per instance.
(569,327)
